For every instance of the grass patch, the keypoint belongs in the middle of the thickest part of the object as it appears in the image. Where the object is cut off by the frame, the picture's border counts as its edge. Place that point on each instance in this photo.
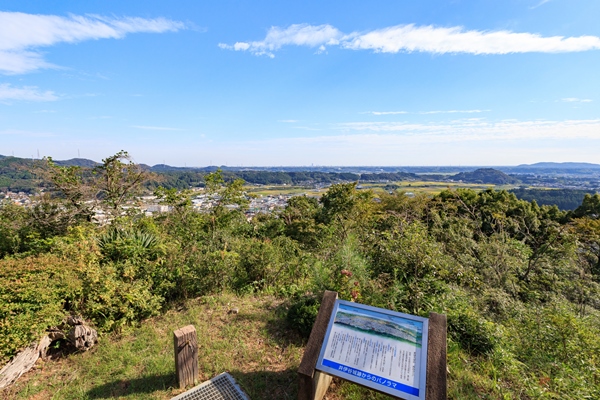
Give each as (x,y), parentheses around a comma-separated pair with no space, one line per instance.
(253,345)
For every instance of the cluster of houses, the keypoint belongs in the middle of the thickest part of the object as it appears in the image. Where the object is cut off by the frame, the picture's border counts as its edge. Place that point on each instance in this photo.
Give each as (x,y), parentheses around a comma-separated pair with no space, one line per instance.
(151,206)
(17,198)
(205,202)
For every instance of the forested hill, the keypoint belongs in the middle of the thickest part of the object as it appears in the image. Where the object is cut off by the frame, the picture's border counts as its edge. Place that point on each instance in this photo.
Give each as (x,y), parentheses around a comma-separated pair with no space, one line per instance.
(564,199)
(78,162)
(555,168)
(15,175)
(485,175)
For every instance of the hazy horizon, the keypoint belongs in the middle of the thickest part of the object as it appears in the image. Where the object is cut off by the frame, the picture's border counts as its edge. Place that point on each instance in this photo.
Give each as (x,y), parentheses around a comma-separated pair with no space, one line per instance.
(322,165)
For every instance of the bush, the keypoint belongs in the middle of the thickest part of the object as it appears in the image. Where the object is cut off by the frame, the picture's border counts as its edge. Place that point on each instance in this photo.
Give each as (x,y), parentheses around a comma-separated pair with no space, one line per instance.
(473,333)
(303,313)
(35,293)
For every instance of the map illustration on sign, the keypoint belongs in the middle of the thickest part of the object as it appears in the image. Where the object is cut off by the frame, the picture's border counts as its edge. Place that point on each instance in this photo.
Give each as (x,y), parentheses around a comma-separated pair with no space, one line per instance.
(378,348)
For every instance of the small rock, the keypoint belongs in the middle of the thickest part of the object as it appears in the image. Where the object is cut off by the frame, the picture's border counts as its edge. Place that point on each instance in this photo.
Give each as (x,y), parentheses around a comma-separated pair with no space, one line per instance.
(233,311)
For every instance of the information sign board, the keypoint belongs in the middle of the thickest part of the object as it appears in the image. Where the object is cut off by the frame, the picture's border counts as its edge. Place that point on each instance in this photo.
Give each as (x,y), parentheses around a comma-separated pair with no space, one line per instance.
(381,349)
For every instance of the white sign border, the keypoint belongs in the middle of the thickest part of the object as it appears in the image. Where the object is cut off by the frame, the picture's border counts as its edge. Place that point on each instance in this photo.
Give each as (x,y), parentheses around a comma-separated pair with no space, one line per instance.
(369,384)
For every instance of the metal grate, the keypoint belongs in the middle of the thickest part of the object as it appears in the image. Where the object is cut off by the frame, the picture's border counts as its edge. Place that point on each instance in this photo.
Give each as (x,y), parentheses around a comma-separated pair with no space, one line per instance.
(221,387)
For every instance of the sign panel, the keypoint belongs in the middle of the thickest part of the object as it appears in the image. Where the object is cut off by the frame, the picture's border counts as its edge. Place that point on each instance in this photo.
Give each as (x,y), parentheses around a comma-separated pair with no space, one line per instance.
(381,349)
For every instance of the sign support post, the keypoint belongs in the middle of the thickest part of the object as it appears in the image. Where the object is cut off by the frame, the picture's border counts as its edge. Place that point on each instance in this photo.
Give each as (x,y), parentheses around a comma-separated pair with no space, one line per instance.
(313,384)
(436,358)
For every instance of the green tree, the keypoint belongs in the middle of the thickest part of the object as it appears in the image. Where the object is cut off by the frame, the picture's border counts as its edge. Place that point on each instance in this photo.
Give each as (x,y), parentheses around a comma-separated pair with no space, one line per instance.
(107,187)
(590,207)
(119,180)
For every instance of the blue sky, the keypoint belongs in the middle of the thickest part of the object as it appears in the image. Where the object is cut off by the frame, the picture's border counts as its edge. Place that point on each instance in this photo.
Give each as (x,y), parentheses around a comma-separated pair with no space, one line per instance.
(241,83)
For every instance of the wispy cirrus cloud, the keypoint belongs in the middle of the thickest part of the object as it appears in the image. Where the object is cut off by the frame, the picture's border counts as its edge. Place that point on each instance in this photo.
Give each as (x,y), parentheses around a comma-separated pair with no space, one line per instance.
(476,129)
(412,38)
(576,100)
(427,112)
(22,35)
(26,93)
(541,3)
(156,128)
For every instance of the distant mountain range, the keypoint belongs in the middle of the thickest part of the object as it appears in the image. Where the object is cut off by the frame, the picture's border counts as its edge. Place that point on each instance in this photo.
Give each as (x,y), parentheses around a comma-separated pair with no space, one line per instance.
(564,165)
(449,171)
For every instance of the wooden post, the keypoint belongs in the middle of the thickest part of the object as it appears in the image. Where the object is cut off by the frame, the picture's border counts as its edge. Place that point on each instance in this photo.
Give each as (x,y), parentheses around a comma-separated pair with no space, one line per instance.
(436,358)
(313,384)
(185,343)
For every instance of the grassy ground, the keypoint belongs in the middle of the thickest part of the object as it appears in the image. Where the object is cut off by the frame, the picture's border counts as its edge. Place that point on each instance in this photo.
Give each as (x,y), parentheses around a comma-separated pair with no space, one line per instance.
(254,346)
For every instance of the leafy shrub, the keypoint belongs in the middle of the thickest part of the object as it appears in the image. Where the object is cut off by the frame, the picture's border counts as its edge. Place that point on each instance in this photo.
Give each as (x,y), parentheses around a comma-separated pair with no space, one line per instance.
(121,274)
(473,333)
(35,293)
(125,244)
(303,313)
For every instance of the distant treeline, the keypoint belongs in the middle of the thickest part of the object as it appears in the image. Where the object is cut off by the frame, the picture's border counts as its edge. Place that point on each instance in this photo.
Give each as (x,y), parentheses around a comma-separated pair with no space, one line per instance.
(388,176)
(185,180)
(564,199)
(16,176)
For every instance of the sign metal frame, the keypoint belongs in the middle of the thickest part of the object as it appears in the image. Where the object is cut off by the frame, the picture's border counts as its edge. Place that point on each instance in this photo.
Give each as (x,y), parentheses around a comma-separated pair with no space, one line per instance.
(368,378)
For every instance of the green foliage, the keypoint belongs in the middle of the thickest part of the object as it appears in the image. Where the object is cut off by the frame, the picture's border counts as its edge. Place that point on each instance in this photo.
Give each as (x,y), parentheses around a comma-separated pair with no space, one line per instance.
(16,175)
(35,293)
(300,221)
(226,194)
(118,244)
(564,199)
(411,265)
(302,314)
(473,333)
(118,180)
(519,282)
(590,207)
(12,229)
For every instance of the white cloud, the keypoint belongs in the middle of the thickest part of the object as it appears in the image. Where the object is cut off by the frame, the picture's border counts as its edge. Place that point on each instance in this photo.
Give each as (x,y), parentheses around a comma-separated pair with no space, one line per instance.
(541,3)
(288,121)
(475,129)
(307,128)
(453,112)
(387,112)
(411,38)
(430,39)
(21,35)
(576,100)
(26,93)
(427,112)
(298,35)
(156,128)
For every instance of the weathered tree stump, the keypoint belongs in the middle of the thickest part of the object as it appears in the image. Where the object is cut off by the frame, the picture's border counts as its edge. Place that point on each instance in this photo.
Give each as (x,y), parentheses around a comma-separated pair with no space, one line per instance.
(78,334)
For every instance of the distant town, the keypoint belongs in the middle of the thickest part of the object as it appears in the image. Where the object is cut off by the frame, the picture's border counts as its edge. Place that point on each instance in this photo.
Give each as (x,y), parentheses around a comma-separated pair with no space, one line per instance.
(269,188)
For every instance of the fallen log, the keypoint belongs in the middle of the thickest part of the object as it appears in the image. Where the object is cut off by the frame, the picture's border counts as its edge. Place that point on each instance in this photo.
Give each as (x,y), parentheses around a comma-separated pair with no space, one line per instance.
(23,362)
(80,336)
